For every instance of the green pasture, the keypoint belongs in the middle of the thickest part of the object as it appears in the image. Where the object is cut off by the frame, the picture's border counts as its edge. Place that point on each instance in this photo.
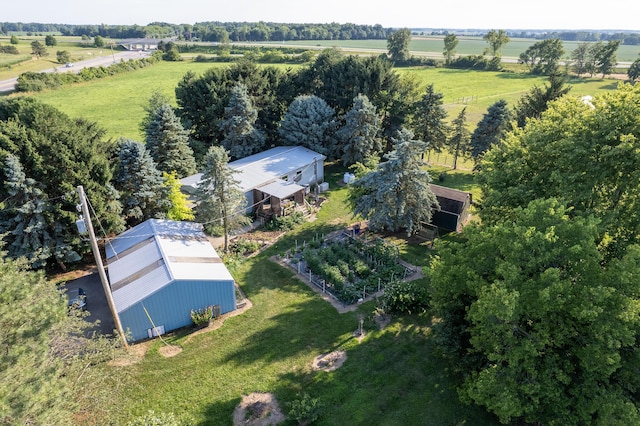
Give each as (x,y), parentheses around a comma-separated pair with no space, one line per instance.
(117,103)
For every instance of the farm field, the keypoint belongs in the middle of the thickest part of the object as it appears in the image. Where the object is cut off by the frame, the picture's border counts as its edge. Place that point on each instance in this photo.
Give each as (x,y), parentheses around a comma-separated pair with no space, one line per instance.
(432,46)
(117,103)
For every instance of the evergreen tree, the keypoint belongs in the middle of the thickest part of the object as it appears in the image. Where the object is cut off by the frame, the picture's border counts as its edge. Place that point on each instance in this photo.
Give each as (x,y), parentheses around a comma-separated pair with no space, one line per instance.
(59,154)
(459,140)
(397,195)
(141,186)
(428,120)
(490,130)
(310,122)
(360,135)
(168,143)
(156,100)
(26,224)
(534,103)
(219,200)
(45,358)
(241,138)
(179,209)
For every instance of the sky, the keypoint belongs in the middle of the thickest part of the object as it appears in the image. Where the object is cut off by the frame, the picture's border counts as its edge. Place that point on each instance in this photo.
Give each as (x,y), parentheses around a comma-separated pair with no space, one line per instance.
(458,14)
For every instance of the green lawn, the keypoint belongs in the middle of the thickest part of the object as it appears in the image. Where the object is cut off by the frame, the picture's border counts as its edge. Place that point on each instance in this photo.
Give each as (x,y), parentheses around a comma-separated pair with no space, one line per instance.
(392,377)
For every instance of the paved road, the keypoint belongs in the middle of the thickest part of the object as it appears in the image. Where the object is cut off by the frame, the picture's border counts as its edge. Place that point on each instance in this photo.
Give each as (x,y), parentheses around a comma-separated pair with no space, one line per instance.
(98,61)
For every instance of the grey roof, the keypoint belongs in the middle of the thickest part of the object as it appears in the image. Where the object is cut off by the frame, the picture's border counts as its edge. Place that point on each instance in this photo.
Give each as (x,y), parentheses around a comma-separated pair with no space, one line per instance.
(265,167)
(155,253)
(281,189)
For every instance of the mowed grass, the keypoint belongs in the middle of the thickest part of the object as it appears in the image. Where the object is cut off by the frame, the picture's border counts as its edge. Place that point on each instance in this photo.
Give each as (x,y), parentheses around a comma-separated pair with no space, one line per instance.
(392,377)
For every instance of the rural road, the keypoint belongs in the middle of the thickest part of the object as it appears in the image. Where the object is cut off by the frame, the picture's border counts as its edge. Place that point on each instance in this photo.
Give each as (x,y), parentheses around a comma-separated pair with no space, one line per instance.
(98,61)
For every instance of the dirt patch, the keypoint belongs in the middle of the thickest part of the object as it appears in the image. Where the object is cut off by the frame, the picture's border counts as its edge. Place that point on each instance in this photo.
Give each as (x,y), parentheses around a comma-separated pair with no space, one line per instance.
(329,362)
(168,351)
(258,409)
(133,355)
(382,320)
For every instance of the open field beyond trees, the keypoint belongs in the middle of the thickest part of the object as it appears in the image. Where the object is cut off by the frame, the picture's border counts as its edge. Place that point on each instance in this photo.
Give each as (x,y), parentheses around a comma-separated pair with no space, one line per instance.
(117,103)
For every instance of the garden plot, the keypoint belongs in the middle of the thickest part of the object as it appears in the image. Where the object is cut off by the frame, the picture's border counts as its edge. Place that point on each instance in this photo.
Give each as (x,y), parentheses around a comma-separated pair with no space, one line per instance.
(347,268)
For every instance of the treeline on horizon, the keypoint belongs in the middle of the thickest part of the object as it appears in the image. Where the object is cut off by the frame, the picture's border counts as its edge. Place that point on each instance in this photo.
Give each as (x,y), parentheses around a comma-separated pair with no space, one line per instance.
(211,31)
(270,31)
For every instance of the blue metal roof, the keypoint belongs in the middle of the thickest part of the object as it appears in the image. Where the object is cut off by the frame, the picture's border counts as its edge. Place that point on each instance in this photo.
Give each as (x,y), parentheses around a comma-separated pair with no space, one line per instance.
(156,253)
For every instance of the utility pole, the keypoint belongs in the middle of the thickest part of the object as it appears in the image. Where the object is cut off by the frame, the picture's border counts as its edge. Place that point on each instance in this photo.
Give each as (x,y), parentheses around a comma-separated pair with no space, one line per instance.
(101,272)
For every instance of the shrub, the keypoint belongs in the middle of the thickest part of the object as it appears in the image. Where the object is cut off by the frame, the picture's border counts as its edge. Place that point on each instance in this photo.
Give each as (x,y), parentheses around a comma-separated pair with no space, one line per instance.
(305,410)
(285,223)
(405,297)
(201,316)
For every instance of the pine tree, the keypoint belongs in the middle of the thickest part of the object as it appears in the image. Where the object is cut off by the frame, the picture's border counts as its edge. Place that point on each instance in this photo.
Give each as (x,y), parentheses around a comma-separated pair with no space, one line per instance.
(26,224)
(219,200)
(179,209)
(310,122)
(141,186)
(459,140)
(156,100)
(168,143)
(397,195)
(490,129)
(428,120)
(241,138)
(360,135)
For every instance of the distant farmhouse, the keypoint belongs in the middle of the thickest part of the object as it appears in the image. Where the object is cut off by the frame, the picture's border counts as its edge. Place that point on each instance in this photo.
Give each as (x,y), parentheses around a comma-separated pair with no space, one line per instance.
(273,179)
(141,43)
(454,208)
(162,269)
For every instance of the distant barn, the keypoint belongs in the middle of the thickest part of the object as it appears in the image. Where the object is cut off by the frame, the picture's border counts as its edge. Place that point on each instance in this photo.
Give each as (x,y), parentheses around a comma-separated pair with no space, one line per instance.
(162,269)
(454,208)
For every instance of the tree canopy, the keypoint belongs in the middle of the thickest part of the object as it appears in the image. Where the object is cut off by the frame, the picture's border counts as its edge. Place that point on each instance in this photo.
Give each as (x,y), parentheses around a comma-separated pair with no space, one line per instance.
(586,154)
(310,122)
(56,155)
(491,129)
(360,135)
(428,119)
(398,45)
(241,138)
(538,329)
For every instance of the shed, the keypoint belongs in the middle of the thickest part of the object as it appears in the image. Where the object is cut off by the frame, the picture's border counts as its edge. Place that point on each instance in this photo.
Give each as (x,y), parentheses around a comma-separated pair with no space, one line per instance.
(454,208)
(162,269)
(285,169)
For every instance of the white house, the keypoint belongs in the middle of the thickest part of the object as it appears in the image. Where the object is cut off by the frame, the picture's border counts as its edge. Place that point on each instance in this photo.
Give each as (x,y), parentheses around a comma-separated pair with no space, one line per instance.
(278,174)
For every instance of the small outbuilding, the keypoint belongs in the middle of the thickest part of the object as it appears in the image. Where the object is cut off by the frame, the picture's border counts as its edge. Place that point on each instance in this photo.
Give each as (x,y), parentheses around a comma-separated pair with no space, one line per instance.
(162,269)
(454,208)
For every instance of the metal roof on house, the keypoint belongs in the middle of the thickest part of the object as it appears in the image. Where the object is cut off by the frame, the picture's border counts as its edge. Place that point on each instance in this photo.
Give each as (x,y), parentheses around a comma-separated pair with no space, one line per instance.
(281,189)
(265,167)
(156,253)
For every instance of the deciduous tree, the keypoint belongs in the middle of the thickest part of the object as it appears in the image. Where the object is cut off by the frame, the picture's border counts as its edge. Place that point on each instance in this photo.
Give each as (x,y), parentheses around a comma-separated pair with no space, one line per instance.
(585,154)
(179,209)
(398,45)
(605,56)
(540,331)
(543,57)
(450,44)
(37,49)
(496,40)
(634,70)
(50,41)
(397,195)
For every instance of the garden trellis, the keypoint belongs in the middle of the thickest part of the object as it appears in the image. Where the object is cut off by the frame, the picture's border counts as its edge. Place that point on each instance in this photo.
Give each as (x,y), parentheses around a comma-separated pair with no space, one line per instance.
(348,268)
